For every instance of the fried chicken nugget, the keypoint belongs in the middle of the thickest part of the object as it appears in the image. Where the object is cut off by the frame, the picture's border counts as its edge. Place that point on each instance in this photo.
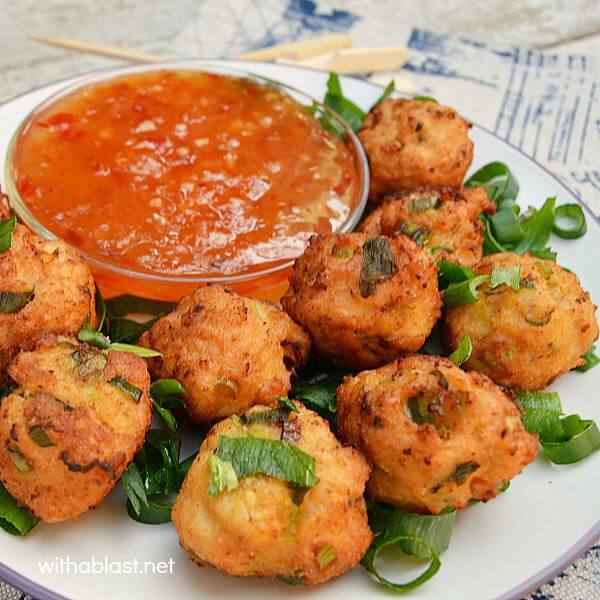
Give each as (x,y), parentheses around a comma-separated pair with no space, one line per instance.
(45,288)
(265,527)
(413,143)
(527,338)
(436,437)
(228,351)
(443,221)
(364,300)
(71,426)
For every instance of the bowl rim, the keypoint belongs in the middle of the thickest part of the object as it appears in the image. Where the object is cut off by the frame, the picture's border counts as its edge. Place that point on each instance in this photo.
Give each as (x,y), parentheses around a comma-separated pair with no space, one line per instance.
(221,67)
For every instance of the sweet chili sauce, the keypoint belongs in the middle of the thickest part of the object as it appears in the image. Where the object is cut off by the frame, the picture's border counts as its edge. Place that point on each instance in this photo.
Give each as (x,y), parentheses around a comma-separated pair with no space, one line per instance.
(184,173)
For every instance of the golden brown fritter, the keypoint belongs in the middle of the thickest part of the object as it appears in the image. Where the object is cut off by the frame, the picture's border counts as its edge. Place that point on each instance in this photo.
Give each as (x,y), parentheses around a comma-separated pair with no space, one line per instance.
(435,436)
(264,527)
(364,300)
(229,352)
(411,143)
(441,220)
(71,426)
(45,287)
(525,339)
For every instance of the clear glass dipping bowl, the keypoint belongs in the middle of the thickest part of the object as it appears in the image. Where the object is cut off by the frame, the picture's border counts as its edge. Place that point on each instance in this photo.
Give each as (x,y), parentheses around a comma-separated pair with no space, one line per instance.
(269,283)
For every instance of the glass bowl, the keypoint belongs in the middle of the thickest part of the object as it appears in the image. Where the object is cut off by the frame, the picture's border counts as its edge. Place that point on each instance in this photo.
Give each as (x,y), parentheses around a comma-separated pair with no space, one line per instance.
(269,283)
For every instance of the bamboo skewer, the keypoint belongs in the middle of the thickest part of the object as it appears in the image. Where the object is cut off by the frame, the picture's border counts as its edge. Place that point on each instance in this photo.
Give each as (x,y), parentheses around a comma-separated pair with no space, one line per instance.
(331,52)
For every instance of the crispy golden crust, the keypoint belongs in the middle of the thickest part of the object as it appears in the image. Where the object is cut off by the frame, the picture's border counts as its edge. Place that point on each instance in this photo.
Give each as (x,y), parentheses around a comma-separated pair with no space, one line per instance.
(469,442)
(525,339)
(449,228)
(63,292)
(229,352)
(94,427)
(412,144)
(325,296)
(262,528)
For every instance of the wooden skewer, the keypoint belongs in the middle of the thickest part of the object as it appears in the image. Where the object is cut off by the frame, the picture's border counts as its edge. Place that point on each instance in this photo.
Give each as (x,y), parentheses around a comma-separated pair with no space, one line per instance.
(296,50)
(99,49)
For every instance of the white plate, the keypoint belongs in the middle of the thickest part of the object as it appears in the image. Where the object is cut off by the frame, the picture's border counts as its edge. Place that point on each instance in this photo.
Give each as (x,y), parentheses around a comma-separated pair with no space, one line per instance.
(499,550)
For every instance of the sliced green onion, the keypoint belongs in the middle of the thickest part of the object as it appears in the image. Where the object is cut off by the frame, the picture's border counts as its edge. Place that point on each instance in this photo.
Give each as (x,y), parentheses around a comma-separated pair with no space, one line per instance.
(40,437)
(537,229)
(509,276)
(463,351)
(389,88)
(121,306)
(155,513)
(89,335)
(577,440)
(459,294)
(506,226)
(574,213)
(127,331)
(319,396)
(167,394)
(6,233)
(287,403)
(131,390)
(450,272)
(541,410)
(134,487)
(591,360)
(14,519)
(490,244)
(154,476)
(100,309)
(378,264)
(283,460)
(137,350)
(417,536)
(565,440)
(497,180)
(13,302)
(425,99)
(344,107)
(325,556)
(222,476)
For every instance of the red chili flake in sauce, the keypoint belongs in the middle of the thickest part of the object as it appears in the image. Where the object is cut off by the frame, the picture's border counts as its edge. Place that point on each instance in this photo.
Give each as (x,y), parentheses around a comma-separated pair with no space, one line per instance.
(184,173)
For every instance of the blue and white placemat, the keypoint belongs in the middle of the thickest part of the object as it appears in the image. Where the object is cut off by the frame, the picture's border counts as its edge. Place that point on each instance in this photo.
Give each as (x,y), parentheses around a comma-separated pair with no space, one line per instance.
(545,103)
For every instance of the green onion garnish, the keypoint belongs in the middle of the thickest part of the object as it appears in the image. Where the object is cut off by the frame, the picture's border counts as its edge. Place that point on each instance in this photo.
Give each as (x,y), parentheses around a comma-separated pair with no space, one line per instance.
(497,180)
(131,390)
(509,276)
(40,437)
(154,476)
(537,229)
(574,214)
(450,272)
(248,456)
(459,294)
(13,302)
(591,360)
(287,403)
(167,394)
(506,226)
(463,351)
(14,519)
(565,440)
(378,264)
(425,99)
(6,233)
(417,536)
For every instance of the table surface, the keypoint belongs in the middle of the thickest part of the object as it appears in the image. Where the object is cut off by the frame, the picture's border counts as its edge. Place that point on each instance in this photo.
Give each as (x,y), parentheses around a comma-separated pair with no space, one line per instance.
(153,25)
